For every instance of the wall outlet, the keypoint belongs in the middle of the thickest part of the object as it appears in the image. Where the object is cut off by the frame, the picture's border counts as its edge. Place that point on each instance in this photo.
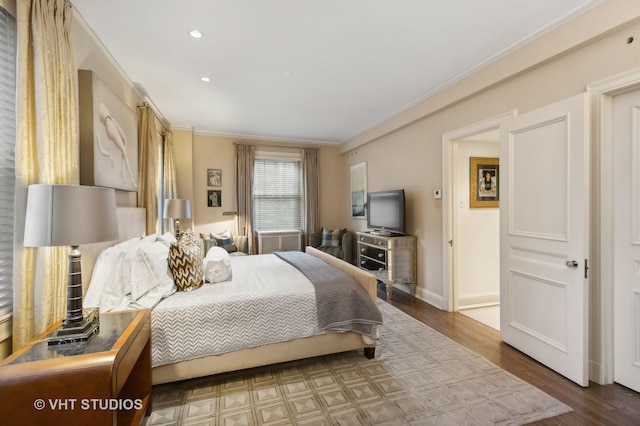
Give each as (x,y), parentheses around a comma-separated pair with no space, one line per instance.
(437,194)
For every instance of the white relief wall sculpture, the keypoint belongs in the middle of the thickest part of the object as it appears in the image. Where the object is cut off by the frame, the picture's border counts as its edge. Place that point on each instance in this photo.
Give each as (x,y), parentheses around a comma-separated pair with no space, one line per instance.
(117,137)
(108,136)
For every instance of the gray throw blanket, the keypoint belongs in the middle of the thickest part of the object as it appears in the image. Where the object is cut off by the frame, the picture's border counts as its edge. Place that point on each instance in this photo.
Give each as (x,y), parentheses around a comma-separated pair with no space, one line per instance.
(343,305)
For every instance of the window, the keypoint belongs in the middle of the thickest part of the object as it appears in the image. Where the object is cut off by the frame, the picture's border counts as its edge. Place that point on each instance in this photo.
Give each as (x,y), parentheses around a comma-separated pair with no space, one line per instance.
(277,192)
(7,156)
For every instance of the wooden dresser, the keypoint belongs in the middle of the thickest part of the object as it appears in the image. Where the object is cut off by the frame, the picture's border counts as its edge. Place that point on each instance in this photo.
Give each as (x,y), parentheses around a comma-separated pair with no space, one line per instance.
(103,381)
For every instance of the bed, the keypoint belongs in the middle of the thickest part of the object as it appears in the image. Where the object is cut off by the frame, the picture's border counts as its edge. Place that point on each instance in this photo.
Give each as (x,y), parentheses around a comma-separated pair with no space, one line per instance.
(180,316)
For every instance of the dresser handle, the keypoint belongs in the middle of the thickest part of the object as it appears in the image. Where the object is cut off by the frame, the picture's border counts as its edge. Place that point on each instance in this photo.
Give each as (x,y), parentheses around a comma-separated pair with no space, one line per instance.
(381,255)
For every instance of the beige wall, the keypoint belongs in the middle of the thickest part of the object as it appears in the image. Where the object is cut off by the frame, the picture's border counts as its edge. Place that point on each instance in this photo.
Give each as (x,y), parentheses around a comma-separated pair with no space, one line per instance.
(411,156)
(195,153)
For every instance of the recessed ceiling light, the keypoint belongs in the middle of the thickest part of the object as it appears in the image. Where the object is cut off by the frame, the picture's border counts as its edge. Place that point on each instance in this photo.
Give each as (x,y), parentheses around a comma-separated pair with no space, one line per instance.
(195,34)
(205,79)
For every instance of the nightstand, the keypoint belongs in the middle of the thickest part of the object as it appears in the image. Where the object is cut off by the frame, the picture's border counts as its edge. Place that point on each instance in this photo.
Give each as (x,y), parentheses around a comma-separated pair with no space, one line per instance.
(103,381)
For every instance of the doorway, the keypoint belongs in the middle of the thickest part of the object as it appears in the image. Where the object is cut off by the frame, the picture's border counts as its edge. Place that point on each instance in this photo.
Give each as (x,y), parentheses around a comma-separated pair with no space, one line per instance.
(476,230)
(613,277)
(471,234)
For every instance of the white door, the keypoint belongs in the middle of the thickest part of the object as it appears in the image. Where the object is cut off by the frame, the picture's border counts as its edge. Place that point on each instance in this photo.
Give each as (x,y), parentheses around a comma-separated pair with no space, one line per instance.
(544,235)
(626,266)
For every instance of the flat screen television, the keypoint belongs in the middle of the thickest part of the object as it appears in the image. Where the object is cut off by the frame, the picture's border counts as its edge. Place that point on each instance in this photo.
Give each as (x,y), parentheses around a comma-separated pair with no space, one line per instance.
(385,211)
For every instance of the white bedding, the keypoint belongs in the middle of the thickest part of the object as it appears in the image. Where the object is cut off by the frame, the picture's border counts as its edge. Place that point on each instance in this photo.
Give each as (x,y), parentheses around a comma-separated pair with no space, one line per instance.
(266,301)
(131,275)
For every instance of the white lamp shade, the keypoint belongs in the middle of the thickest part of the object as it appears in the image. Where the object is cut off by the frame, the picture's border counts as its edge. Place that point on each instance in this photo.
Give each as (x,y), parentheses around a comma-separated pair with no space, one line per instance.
(177,208)
(69,215)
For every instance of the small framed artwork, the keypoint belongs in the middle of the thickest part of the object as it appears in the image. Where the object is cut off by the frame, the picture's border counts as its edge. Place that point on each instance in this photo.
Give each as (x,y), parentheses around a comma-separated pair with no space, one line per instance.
(484,182)
(358,175)
(214,177)
(214,198)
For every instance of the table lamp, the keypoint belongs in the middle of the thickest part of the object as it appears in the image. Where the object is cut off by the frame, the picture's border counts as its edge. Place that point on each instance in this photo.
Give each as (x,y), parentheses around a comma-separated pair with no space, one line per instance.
(176,208)
(70,215)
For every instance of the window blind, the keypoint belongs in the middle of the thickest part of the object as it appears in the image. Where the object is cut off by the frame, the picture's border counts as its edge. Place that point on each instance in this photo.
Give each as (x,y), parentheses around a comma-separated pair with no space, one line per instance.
(277,194)
(7,156)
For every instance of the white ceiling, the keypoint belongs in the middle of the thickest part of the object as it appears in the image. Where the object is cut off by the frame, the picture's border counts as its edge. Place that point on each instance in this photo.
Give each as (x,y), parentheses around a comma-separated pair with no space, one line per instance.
(313,70)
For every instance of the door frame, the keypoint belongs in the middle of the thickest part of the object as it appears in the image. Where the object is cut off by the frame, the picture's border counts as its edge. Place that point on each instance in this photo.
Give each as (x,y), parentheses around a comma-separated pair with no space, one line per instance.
(601,94)
(449,140)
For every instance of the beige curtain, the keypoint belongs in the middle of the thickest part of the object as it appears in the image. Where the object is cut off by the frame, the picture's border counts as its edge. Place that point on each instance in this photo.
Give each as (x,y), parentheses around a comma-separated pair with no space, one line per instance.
(311,219)
(147,166)
(170,189)
(245,155)
(46,152)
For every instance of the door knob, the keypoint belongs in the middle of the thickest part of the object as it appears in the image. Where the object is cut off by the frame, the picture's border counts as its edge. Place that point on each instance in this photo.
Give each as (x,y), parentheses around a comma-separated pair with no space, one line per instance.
(572,263)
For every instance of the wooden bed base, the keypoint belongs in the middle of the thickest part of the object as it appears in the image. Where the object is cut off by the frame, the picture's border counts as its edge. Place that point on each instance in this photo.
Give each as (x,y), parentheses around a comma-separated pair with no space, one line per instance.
(278,352)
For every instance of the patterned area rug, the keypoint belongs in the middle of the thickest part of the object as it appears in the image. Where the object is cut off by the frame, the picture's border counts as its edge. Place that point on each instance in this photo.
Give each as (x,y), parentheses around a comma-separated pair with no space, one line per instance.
(419,377)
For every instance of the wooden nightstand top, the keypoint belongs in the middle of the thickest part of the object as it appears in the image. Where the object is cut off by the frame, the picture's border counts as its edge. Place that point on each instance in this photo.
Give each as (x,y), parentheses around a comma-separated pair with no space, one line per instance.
(114,330)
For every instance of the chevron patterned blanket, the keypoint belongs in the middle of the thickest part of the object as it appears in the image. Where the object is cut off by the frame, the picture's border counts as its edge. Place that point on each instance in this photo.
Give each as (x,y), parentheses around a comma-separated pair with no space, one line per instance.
(266,301)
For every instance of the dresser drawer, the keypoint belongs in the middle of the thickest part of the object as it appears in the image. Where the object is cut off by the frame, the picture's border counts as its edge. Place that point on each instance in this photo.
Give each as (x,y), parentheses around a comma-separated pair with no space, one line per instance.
(372,239)
(373,252)
(371,265)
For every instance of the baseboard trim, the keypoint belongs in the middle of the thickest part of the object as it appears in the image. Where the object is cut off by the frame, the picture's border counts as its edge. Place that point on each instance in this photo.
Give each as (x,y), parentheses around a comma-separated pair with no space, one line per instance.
(431,298)
(479,301)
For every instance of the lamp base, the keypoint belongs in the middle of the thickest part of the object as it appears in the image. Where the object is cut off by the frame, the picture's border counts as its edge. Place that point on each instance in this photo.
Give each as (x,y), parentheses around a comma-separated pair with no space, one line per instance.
(80,332)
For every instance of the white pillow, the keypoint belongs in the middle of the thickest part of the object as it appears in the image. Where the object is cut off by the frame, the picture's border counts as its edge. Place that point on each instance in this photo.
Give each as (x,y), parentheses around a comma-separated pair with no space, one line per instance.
(133,271)
(142,274)
(167,239)
(157,255)
(106,277)
(217,267)
(223,236)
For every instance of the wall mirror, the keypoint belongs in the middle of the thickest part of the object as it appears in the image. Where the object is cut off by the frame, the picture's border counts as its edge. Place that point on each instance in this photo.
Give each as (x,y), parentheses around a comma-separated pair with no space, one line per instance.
(359,191)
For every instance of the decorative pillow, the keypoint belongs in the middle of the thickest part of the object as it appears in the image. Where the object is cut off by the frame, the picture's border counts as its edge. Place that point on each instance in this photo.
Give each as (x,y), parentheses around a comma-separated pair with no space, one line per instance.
(217,267)
(185,262)
(332,238)
(225,240)
(167,239)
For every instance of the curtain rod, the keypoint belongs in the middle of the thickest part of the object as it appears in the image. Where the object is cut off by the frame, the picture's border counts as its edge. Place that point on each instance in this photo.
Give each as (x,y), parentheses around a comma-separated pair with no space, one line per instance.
(276,146)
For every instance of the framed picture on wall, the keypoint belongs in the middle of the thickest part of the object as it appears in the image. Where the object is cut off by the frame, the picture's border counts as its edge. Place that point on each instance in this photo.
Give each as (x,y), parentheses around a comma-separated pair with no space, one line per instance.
(484,182)
(214,198)
(358,177)
(214,177)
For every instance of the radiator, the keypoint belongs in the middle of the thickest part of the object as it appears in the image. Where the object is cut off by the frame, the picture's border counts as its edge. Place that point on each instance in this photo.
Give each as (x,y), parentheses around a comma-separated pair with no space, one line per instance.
(270,241)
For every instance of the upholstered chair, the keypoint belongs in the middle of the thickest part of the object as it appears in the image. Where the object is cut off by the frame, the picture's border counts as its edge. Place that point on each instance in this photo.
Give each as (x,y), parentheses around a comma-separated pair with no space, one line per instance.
(338,243)
(237,245)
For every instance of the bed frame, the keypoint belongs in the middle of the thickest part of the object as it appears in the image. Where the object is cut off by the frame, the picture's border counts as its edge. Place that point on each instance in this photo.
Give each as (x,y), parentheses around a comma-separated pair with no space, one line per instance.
(131,224)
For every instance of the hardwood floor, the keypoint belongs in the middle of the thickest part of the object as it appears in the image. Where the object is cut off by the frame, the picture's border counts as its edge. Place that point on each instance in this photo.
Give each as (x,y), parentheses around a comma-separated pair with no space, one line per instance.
(594,405)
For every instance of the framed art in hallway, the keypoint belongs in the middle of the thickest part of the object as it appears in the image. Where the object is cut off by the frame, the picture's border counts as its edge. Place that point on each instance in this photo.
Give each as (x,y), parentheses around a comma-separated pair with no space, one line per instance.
(484,182)
(214,198)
